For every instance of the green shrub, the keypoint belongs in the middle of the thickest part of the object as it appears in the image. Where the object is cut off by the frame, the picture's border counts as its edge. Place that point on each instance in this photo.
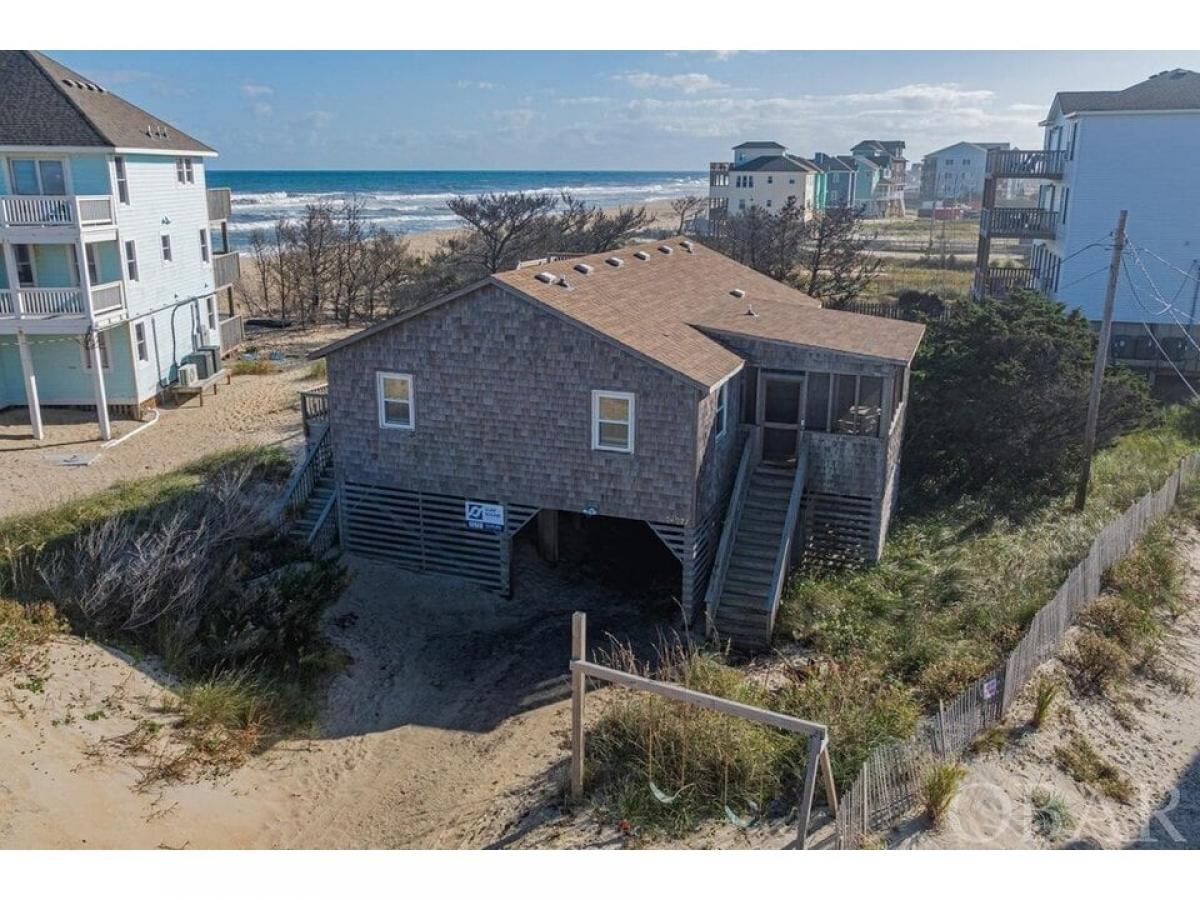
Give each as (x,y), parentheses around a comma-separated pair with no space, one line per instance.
(254,367)
(939,788)
(1051,816)
(1044,693)
(1096,662)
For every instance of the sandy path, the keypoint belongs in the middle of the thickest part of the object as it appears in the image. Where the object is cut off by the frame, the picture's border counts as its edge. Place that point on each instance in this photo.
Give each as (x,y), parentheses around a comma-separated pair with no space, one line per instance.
(1159,752)
(253,410)
(449,725)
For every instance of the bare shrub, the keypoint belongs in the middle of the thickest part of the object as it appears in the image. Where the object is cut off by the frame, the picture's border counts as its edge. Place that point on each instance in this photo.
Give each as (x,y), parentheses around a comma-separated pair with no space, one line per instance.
(1097,662)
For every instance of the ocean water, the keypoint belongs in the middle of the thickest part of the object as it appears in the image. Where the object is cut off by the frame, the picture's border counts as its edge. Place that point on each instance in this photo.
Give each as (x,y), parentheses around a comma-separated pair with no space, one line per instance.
(413,202)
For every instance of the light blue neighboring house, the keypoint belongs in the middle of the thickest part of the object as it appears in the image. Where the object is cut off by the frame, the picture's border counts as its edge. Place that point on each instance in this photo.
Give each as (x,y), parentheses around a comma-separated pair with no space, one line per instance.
(114,258)
(840,179)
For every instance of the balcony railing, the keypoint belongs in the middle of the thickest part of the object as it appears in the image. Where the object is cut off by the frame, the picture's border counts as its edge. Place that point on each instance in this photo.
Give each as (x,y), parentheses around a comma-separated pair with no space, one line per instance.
(218,204)
(227,268)
(1026,163)
(1000,281)
(65,301)
(107,297)
(69,211)
(1018,222)
(232,330)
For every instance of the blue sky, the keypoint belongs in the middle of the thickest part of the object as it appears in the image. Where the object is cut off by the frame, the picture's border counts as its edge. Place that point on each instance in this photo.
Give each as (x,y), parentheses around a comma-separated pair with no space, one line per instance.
(594,110)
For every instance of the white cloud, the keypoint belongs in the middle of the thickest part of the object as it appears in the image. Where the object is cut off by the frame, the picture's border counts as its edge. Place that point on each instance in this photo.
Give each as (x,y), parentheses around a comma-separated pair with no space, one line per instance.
(262,109)
(690,83)
(253,91)
(317,118)
(518,118)
(478,85)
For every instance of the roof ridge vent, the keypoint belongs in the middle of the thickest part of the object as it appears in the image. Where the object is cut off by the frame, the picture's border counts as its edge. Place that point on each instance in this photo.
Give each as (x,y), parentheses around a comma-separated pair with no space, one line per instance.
(642,255)
(562,282)
(738,292)
(615,261)
(750,311)
(665,249)
(583,268)
(545,277)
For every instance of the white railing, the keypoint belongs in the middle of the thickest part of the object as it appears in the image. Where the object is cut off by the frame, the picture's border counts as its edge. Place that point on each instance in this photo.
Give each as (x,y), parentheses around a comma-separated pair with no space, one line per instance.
(56,211)
(109,296)
(8,303)
(49,302)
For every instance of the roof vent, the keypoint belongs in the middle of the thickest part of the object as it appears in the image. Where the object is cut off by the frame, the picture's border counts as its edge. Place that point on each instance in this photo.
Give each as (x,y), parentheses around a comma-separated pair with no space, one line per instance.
(545,277)
(615,261)
(738,292)
(665,249)
(688,246)
(583,268)
(642,255)
(562,282)
(750,311)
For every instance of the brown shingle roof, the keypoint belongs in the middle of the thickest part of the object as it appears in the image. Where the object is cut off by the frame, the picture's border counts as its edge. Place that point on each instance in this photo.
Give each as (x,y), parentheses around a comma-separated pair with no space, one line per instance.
(43,103)
(662,306)
(665,309)
(1171,90)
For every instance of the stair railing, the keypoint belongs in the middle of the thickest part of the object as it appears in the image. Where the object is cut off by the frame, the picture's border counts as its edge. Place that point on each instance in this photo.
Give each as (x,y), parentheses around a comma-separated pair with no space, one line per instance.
(304,480)
(324,531)
(751,453)
(783,559)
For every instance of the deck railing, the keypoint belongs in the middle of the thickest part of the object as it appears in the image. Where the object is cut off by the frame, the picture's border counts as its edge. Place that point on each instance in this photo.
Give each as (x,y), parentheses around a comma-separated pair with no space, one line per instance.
(1026,163)
(227,268)
(31,210)
(314,408)
(751,452)
(218,204)
(1000,281)
(44,302)
(299,488)
(233,332)
(107,297)
(8,303)
(1018,222)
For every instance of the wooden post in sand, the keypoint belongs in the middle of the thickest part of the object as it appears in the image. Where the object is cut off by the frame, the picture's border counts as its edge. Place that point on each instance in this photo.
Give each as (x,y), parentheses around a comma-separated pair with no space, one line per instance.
(578,687)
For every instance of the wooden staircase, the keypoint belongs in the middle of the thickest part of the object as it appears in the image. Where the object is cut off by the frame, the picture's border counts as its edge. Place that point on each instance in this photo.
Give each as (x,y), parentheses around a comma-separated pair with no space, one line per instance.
(308,507)
(744,610)
(302,524)
(755,549)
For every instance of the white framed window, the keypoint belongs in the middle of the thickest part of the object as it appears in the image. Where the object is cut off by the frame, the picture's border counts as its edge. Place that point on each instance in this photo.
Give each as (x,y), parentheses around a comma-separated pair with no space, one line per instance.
(139,342)
(394,396)
(204,244)
(87,353)
(166,248)
(47,177)
(612,421)
(185,170)
(122,180)
(721,421)
(131,266)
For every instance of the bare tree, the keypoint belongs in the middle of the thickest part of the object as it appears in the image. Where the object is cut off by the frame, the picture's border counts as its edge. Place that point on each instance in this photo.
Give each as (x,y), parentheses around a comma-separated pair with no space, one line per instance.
(686,208)
(837,264)
(500,225)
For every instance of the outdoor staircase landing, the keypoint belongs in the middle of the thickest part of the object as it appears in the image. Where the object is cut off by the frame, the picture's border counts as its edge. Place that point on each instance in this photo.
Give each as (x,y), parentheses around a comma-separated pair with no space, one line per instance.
(744,612)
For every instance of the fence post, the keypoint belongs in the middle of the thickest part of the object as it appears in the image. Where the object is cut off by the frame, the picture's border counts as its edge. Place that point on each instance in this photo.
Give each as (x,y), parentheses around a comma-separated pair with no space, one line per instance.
(578,687)
(831,798)
(941,720)
(816,744)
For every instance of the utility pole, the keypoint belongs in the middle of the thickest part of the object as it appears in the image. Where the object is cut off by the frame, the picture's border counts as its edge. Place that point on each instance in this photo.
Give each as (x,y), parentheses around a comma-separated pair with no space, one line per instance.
(1093,411)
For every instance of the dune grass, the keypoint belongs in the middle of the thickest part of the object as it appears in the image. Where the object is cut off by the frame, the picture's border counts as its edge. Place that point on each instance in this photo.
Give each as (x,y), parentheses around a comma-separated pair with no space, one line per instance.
(254,367)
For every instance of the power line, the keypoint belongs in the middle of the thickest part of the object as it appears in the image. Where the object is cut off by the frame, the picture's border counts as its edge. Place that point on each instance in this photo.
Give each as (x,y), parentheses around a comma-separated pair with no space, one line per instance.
(1146,325)
(1103,268)
(1170,265)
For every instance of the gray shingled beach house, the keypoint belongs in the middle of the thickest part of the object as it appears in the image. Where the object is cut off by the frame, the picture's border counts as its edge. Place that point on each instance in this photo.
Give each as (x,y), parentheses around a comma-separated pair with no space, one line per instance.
(744,424)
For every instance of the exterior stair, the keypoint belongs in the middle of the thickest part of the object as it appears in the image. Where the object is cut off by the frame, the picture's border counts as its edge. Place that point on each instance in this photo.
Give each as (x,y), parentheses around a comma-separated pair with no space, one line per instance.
(745,611)
(301,526)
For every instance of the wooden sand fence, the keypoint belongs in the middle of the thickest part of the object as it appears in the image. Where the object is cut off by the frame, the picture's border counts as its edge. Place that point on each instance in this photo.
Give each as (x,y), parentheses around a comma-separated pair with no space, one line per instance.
(889,784)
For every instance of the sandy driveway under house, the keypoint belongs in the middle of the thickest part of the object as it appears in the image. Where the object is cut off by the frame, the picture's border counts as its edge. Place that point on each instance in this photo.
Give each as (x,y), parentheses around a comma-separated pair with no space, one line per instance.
(449,724)
(253,410)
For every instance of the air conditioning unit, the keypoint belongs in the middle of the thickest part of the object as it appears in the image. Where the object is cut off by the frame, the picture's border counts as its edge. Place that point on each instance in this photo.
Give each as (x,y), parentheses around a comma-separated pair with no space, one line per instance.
(188,376)
(210,337)
(201,362)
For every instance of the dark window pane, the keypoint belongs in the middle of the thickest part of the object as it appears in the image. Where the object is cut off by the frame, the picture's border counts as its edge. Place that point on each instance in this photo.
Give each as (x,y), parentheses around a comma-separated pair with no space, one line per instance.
(782,402)
(870,404)
(816,414)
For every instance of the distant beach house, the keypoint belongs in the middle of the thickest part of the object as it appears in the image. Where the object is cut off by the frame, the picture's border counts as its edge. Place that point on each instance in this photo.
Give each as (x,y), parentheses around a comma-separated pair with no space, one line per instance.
(957,172)
(764,175)
(882,171)
(114,259)
(665,384)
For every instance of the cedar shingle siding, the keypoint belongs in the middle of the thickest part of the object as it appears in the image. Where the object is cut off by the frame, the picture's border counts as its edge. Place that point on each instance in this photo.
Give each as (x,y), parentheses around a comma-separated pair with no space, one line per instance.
(502,393)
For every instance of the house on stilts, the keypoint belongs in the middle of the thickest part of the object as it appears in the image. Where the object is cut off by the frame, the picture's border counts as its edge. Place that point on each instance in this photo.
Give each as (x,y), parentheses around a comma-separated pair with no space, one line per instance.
(747,426)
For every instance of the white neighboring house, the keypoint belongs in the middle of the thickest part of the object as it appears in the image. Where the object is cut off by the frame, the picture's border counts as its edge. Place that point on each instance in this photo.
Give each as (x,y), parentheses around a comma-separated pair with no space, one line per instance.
(957,172)
(1105,151)
(114,259)
(762,174)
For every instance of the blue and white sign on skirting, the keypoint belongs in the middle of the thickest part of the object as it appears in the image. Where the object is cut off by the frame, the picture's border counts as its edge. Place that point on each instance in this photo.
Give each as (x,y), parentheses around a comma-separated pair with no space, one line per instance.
(485,516)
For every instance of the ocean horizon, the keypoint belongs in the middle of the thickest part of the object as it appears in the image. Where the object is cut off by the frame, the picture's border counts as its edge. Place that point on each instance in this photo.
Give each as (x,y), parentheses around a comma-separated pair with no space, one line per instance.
(414,201)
